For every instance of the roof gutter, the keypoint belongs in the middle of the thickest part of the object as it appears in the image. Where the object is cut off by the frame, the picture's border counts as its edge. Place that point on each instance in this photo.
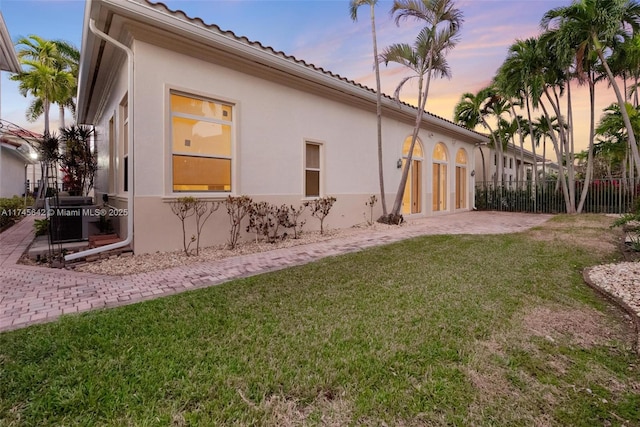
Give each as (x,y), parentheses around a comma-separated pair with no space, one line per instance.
(144,11)
(129,238)
(7,49)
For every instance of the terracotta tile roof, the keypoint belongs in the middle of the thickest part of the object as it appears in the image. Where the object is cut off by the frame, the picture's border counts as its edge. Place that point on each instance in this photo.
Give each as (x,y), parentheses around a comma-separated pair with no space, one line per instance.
(23,133)
(198,21)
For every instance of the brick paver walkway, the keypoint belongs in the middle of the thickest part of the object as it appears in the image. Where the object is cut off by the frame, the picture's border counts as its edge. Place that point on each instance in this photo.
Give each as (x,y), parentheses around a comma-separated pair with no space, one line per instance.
(37,294)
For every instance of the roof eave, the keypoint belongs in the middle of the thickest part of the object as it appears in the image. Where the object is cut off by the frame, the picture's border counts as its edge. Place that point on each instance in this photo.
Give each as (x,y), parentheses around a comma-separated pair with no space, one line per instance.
(144,12)
(7,50)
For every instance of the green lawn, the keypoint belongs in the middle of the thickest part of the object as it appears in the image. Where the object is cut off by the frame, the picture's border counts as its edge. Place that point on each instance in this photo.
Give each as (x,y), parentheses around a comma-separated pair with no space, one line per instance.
(438,330)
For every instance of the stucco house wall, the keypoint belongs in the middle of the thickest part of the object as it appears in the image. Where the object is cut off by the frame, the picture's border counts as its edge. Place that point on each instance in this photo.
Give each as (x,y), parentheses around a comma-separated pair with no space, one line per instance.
(12,179)
(273,116)
(12,165)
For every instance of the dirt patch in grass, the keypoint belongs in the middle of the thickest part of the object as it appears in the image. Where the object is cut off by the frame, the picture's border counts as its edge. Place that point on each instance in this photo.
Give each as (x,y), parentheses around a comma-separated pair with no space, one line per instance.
(583,327)
(327,409)
(588,231)
(502,395)
(521,375)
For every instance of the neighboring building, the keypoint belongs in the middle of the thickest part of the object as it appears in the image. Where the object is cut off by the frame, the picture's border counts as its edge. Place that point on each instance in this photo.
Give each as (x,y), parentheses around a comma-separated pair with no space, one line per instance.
(514,168)
(198,111)
(12,161)
(20,167)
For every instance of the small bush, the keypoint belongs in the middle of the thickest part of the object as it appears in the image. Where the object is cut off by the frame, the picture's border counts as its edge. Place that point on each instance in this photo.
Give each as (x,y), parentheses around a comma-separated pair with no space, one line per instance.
(41,226)
(370,204)
(203,210)
(391,219)
(12,209)
(183,208)
(186,207)
(237,207)
(320,209)
(266,219)
(293,220)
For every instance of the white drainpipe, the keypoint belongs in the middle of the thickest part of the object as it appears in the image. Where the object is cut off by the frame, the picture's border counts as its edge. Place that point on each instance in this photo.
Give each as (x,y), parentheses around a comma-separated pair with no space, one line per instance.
(129,239)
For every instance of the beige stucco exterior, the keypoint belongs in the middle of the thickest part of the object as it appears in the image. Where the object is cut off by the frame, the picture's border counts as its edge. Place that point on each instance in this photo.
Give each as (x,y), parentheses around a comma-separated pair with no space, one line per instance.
(12,162)
(275,111)
(13,167)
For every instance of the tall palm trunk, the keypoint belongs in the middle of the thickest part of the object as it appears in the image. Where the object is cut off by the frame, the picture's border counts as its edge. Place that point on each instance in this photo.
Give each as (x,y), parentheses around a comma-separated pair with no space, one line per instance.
(422,101)
(533,145)
(556,146)
(569,187)
(544,158)
(46,108)
(519,175)
(383,197)
(499,149)
(589,172)
(568,152)
(61,110)
(570,138)
(623,110)
(397,204)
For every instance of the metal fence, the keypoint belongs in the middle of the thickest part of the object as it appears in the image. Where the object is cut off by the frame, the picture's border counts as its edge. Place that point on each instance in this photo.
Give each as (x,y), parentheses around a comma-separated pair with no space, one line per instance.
(603,196)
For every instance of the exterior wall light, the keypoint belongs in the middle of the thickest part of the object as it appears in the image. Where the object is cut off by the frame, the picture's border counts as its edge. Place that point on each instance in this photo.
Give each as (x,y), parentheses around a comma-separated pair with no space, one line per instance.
(473,172)
(399,163)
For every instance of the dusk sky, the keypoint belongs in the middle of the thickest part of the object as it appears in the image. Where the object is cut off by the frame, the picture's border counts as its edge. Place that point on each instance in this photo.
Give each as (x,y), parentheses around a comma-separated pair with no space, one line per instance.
(321,32)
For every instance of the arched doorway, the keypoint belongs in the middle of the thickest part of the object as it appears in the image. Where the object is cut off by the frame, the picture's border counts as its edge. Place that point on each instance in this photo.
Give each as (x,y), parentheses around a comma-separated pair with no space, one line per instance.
(412,201)
(439,177)
(461,179)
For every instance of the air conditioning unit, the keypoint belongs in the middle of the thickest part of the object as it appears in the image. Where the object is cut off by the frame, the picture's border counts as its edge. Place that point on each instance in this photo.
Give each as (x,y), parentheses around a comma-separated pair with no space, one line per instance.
(69,218)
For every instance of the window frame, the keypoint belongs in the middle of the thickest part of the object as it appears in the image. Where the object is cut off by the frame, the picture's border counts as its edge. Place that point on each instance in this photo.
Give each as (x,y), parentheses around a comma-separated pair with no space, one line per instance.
(112,185)
(122,181)
(305,168)
(190,93)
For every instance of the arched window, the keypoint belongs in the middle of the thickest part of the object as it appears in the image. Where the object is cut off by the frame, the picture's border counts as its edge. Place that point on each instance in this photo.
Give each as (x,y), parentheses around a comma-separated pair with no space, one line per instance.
(411,201)
(440,160)
(461,179)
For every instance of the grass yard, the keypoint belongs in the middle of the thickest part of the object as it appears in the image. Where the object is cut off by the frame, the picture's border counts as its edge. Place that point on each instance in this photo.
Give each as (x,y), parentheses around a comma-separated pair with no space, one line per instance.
(438,330)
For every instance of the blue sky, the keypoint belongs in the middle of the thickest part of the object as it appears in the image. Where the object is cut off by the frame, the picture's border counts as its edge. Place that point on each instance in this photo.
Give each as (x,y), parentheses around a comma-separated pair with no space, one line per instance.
(320,32)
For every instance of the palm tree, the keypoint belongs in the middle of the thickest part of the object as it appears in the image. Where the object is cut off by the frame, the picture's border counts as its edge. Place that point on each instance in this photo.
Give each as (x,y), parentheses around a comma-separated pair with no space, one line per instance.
(70,61)
(521,77)
(37,49)
(46,84)
(518,125)
(496,107)
(612,128)
(472,110)
(594,25)
(50,76)
(353,9)
(624,62)
(468,113)
(541,129)
(425,58)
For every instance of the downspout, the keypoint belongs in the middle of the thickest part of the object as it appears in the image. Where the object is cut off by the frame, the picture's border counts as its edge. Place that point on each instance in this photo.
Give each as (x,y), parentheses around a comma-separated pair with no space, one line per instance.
(129,238)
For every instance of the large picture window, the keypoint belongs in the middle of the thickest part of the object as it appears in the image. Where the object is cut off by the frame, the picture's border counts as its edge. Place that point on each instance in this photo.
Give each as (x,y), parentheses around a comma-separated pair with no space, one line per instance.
(201,141)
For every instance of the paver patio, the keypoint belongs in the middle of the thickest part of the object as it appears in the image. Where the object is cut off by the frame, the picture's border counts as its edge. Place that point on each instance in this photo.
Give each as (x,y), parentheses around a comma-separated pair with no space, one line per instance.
(31,295)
